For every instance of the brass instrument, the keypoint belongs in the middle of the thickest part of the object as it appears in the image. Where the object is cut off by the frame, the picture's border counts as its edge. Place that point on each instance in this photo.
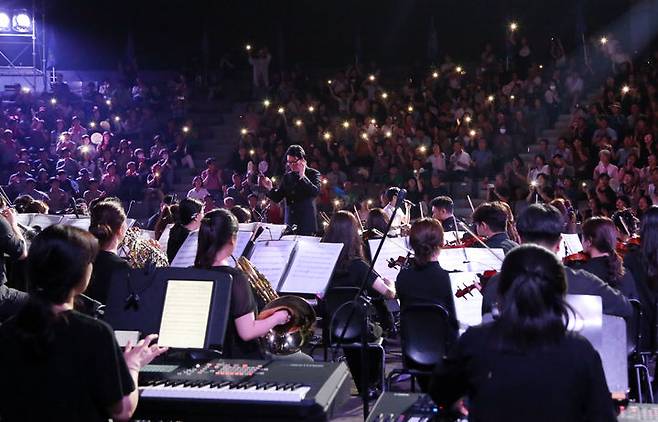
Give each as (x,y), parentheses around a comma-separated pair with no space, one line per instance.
(140,252)
(287,338)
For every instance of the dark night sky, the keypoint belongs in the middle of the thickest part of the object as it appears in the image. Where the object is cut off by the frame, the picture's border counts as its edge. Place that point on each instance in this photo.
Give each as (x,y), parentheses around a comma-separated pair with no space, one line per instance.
(168,34)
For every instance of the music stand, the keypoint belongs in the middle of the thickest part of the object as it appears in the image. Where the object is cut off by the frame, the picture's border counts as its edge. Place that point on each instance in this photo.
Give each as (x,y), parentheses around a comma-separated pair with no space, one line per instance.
(136,300)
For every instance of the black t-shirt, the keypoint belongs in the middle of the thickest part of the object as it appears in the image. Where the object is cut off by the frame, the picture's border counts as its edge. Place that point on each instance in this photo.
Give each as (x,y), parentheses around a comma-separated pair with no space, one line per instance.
(177,236)
(426,284)
(352,276)
(562,382)
(82,374)
(105,266)
(242,303)
(9,245)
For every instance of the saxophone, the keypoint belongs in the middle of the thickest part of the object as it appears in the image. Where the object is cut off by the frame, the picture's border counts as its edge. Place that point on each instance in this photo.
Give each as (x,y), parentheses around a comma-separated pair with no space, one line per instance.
(290,337)
(140,252)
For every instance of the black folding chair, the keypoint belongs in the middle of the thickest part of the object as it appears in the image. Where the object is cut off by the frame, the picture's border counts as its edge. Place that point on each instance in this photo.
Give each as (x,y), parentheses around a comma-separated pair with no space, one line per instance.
(423,349)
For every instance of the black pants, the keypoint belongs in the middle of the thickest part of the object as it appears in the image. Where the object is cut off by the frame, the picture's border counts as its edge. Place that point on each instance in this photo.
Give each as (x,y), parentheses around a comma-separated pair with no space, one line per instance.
(11,301)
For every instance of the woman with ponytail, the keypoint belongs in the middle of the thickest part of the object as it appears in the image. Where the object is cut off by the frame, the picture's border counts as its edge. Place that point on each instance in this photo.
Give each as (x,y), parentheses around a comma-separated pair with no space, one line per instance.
(600,244)
(217,239)
(56,363)
(517,362)
(424,281)
(108,225)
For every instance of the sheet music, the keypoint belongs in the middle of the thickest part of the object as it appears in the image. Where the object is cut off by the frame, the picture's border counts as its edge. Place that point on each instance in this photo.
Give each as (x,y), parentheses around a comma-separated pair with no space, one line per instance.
(274,229)
(147,234)
(246,227)
(272,258)
(81,223)
(572,243)
(187,253)
(23,219)
(393,247)
(475,260)
(241,243)
(450,237)
(45,220)
(300,238)
(468,307)
(312,267)
(164,237)
(185,314)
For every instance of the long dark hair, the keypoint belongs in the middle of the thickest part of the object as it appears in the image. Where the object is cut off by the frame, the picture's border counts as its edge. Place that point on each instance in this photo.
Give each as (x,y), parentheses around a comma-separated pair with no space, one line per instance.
(57,263)
(533,312)
(426,239)
(107,217)
(602,234)
(377,219)
(649,247)
(217,228)
(344,228)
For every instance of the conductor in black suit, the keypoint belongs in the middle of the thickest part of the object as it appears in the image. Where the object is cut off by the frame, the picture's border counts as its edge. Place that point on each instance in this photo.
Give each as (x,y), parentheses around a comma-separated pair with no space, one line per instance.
(299,187)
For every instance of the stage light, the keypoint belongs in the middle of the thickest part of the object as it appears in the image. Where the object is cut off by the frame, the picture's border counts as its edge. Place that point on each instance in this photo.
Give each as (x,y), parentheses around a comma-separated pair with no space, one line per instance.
(5,22)
(435,75)
(21,22)
(625,89)
(53,101)
(513,26)
(266,103)
(603,40)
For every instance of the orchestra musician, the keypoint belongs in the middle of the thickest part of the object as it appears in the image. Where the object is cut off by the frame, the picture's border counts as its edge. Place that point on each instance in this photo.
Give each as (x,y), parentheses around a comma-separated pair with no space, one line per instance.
(442,209)
(542,224)
(600,243)
(299,187)
(423,280)
(108,225)
(189,219)
(217,240)
(519,360)
(377,219)
(58,364)
(400,217)
(12,246)
(490,219)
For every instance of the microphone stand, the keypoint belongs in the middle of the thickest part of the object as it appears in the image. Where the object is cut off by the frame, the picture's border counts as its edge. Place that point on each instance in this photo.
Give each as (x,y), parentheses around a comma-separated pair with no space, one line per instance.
(363,303)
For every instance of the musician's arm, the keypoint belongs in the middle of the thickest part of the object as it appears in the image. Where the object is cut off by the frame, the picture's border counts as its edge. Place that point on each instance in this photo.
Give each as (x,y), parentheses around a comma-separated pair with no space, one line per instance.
(277,194)
(12,241)
(384,287)
(250,328)
(310,185)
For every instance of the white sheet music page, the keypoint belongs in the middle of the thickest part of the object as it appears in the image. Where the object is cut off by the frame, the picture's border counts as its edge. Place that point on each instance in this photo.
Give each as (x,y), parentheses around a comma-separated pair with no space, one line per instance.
(312,267)
(45,220)
(393,247)
(164,237)
(246,227)
(271,259)
(469,306)
(81,223)
(301,238)
(569,245)
(187,252)
(451,236)
(241,243)
(274,230)
(482,259)
(185,314)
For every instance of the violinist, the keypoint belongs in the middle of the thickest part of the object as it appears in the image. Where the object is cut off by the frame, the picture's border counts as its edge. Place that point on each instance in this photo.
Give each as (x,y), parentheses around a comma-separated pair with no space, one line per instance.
(490,221)
(542,224)
(399,219)
(378,220)
(442,209)
(599,243)
(627,227)
(424,281)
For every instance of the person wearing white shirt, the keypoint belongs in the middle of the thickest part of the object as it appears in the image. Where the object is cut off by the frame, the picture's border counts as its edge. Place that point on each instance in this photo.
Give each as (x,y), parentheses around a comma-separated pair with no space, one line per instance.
(460,160)
(540,167)
(605,166)
(437,159)
(198,192)
(399,220)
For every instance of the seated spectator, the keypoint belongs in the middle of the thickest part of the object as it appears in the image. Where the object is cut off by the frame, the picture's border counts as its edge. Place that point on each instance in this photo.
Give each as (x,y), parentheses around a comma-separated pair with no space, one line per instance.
(93,192)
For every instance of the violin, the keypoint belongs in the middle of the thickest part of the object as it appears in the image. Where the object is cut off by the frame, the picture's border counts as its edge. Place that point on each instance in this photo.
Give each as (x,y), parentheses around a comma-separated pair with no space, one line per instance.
(578,257)
(400,262)
(468,290)
(371,233)
(466,242)
(628,245)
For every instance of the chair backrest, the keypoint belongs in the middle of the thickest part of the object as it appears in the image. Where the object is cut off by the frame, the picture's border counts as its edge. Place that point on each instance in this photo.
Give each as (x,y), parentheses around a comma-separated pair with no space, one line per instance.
(426,335)
(339,305)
